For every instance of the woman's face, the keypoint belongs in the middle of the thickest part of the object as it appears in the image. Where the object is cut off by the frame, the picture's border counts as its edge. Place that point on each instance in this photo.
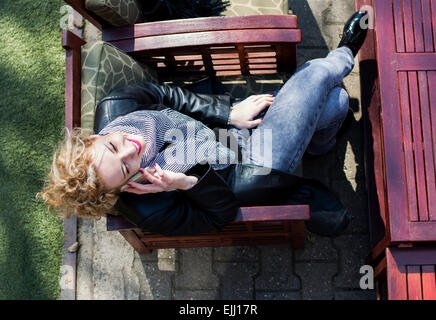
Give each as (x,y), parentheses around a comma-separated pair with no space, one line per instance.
(117,157)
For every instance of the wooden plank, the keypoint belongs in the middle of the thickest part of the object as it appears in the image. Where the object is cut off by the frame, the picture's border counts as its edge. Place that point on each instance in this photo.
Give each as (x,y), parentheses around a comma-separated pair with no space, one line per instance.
(429,152)
(419,264)
(196,39)
(428,282)
(393,146)
(245,214)
(414,290)
(417,26)
(134,241)
(396,276)
(242,60)
(417,146)
(399,27)
(426,26)
(408,146)
(433,19)
(431,78)
(415,62)
(151,29)
(274,213)
(408,25)
(373,142)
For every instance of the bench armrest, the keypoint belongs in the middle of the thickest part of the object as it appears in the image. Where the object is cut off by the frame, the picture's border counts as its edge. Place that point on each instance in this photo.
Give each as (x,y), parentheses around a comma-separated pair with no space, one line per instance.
(245,214)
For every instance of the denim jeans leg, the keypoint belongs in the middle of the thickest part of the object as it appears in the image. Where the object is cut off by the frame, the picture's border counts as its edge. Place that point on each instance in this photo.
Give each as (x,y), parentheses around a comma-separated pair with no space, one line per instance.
(292,119)
(332,116)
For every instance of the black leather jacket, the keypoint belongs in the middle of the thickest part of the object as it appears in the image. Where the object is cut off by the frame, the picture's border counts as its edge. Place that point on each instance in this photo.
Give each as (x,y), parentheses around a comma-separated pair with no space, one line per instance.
(215,199)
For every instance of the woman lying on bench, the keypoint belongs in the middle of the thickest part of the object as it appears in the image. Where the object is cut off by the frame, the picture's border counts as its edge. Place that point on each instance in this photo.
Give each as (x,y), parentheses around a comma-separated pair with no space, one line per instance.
(194,184)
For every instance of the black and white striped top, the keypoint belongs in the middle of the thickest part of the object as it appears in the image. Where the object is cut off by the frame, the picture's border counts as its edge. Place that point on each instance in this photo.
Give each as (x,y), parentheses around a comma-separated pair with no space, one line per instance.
(190,140)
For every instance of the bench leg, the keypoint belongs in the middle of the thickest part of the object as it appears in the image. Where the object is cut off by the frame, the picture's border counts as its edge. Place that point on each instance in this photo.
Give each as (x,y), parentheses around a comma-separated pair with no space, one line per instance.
(136,243)
(297,234)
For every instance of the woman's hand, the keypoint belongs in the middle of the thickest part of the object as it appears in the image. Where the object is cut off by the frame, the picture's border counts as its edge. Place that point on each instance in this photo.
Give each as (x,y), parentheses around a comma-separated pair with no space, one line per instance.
(162,180)
(243,113)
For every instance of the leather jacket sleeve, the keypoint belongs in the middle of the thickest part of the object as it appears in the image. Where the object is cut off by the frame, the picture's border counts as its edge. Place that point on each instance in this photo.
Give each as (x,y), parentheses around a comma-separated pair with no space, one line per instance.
(212,110)
(207,206)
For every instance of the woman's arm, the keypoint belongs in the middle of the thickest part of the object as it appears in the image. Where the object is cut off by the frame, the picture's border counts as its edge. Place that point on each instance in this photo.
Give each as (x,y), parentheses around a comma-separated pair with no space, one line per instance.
(212,110)
(209,205)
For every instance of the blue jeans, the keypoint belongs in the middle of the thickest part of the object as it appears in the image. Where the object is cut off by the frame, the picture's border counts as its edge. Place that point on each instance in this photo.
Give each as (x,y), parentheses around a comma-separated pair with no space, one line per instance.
(306,114)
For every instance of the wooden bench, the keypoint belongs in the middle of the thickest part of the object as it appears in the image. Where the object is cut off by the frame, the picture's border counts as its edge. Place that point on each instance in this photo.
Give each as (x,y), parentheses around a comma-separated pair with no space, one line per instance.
(218,46)
(398,77)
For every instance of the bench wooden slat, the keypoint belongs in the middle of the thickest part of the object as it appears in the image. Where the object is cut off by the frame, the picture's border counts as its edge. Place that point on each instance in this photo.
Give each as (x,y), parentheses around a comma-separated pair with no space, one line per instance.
(200,25)
(218,38)
(245,214)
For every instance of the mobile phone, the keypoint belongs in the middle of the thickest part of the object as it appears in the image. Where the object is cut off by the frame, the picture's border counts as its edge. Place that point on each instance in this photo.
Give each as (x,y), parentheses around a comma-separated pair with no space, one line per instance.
(135,178)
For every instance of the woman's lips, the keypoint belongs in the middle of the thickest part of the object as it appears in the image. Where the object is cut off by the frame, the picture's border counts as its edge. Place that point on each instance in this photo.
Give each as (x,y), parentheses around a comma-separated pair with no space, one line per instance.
(137,144)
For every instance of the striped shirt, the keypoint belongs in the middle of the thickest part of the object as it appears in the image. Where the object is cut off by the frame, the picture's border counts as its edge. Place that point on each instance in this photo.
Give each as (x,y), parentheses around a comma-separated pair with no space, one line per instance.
(190,141)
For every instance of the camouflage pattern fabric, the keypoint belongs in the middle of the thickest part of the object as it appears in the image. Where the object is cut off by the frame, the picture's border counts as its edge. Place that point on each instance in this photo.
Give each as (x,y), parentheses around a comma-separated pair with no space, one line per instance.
(127,12)
(105,68)
(116,12)
(253,7)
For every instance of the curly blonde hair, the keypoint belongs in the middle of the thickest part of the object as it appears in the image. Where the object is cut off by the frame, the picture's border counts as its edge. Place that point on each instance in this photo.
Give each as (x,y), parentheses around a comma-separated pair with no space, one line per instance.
(72,184)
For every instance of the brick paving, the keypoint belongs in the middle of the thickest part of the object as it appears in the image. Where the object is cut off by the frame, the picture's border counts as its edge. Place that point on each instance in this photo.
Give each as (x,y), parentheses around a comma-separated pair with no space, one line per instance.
(108,268)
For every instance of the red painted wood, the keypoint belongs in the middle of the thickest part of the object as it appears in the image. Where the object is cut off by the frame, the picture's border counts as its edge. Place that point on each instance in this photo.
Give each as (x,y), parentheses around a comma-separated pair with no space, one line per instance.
(428,282)
(429,152)
(408,147)
(399,27)
(72,45)
(411,273)
(433,18)
(245,214)
(218,38)
(200,25)
(79,6)
(414,290)
(417,146)
(403,148)
(431,77)
(373,142)
(397,278)
(132,237)
(408,24)
(426,26)
(417,25)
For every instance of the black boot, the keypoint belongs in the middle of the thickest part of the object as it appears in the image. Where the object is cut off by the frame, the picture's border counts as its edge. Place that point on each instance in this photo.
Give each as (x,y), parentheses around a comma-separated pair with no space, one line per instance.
(354,36)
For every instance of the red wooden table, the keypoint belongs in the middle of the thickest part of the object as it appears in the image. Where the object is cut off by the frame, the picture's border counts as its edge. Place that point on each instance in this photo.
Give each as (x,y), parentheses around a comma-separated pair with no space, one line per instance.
(398,79)
(402,118)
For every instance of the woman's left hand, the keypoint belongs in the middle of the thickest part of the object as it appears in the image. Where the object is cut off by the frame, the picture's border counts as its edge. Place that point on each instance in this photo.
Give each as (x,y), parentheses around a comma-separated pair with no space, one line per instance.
(243,113)
(162,180)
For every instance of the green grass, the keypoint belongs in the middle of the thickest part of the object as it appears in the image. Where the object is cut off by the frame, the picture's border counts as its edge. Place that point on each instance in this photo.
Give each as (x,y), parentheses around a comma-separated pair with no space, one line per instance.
(32,73)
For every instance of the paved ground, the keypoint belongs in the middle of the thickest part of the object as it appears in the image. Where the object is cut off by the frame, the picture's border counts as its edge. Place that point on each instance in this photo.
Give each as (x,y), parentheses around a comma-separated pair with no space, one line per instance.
(108,268)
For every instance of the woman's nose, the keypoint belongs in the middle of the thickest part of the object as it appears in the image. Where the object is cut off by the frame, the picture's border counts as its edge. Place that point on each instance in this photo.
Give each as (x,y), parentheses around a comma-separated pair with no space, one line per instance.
(128,150)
